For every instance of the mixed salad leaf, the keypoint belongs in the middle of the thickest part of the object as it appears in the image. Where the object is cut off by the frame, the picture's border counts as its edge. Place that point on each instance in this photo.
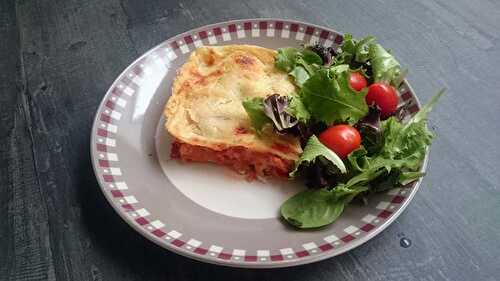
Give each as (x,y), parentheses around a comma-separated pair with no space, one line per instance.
(274,108)
(299,63)
(370,129)
(255,110)
(372,59)
(385,67)
(298,109)
(315,148)
(315,208)
(402,152)
(330,99)
(353,137)
(353,51)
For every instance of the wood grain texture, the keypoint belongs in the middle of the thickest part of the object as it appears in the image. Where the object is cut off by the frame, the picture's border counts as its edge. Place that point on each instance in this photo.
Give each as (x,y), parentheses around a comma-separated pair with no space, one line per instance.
(57,59)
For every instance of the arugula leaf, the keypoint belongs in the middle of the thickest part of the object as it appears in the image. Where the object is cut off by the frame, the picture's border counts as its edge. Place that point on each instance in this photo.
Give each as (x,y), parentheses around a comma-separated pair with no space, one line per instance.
(316,208)
(332,99)
(255,110)
(298,110)
(384,66)
(313,149)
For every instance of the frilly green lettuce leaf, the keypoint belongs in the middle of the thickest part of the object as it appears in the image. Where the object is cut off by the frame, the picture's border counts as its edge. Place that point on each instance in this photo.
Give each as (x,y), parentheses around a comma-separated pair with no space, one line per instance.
(286,59)
(297,109)
(385,67)
(298,63)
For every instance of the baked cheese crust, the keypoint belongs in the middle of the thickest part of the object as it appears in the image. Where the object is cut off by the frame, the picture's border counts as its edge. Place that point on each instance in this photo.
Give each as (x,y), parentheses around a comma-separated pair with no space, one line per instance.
(205,108)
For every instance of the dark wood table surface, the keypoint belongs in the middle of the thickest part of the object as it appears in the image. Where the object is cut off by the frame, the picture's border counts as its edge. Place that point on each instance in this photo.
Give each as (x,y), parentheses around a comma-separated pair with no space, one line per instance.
(58,57)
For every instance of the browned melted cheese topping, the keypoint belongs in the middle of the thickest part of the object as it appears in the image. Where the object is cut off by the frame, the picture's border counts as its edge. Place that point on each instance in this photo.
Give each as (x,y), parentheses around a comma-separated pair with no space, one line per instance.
(205,109)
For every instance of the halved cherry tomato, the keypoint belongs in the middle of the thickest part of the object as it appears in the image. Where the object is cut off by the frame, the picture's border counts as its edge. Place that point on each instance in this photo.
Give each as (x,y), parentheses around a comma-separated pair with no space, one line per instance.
(357,81)
(384,96)
(342,139)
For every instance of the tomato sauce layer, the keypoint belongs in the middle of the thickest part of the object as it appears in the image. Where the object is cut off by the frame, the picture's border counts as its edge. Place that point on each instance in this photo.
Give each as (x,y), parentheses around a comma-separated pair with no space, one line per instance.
(253,164)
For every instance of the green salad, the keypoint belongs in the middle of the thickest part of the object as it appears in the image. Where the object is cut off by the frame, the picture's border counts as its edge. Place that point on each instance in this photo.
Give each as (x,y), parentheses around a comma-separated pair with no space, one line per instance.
(354,136)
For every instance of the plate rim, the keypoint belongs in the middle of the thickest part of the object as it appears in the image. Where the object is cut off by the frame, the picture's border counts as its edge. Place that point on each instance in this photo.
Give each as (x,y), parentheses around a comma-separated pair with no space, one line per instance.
(241,264)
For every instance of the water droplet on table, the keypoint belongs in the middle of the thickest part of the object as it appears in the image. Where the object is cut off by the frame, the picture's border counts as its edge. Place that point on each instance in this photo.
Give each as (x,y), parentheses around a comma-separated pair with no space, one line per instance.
(405,242)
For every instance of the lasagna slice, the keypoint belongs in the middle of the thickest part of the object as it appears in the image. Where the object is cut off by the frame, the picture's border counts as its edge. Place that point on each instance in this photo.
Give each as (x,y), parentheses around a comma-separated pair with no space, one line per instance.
(206,117)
